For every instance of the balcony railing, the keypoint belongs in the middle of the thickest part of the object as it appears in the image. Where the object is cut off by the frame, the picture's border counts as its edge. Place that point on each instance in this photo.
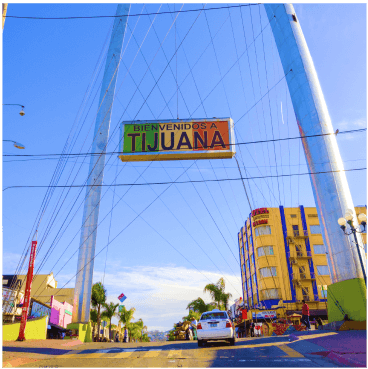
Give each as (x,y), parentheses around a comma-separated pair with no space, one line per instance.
(299,254)
(298,234)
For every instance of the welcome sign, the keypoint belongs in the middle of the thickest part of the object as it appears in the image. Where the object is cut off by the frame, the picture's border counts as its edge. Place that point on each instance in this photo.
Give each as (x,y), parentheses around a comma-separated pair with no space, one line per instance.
(181,139)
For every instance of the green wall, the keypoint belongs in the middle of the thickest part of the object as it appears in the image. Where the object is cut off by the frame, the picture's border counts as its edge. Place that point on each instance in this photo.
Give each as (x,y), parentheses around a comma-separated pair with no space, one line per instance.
(84,331)
(351,296)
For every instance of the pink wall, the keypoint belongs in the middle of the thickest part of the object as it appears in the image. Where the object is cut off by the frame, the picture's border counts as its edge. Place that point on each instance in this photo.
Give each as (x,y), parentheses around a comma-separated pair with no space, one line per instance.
(58,314)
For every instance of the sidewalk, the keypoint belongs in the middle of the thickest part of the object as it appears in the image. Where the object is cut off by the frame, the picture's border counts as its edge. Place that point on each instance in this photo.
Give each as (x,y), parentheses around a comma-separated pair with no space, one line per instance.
(348,348)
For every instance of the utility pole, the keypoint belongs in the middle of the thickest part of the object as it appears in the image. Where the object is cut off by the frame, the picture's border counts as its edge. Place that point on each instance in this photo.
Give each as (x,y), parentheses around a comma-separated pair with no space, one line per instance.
(83,284)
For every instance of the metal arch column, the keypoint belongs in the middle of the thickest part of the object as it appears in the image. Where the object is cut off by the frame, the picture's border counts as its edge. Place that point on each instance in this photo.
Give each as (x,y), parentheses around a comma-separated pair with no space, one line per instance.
(331,191)
(84,279)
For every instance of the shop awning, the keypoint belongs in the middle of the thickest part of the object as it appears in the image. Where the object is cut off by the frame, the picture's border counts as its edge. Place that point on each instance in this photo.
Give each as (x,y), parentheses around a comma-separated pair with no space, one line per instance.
(52,325)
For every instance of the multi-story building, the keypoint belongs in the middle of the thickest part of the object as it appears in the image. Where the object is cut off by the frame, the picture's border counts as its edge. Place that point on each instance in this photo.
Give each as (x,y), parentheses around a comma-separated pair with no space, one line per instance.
(283,259)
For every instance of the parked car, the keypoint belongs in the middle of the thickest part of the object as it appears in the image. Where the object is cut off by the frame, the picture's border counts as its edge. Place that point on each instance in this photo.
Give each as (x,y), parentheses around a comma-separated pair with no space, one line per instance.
(215,325)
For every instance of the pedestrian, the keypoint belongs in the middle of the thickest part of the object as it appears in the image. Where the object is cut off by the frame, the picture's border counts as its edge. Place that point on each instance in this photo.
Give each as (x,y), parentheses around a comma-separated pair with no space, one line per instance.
(305,315)
(251,328)
(126,335)
(193,327)
(117,337)
(247,328)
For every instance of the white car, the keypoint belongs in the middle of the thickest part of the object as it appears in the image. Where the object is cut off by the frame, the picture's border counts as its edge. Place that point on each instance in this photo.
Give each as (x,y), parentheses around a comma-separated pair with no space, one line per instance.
(215,325)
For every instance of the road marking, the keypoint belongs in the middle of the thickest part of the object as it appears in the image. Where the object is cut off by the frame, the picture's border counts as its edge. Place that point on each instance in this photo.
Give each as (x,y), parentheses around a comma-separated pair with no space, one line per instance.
(93,355)
(152,353)
(291,352)
(121,355)
(174,354)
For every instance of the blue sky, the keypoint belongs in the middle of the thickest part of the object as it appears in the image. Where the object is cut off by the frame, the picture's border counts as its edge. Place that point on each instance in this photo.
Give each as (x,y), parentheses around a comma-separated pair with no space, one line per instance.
(53,67)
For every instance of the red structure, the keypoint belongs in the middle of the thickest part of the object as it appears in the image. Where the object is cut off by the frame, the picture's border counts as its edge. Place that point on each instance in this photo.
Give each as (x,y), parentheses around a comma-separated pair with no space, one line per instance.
(27,295)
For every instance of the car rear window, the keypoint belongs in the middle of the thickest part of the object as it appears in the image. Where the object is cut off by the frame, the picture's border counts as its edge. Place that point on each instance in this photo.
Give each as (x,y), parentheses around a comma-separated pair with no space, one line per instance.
(209,316)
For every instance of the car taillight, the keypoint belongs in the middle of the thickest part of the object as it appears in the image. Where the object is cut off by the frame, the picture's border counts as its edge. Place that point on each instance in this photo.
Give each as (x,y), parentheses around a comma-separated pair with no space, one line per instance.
(228,324)
(199,326)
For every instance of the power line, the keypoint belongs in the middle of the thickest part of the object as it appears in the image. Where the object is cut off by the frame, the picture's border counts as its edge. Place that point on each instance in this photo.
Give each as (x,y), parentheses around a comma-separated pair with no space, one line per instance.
(130,15)
(191,181)
(236,144)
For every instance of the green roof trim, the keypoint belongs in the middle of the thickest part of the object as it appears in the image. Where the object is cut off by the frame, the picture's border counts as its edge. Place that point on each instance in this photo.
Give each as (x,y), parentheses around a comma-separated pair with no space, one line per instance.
(68,312)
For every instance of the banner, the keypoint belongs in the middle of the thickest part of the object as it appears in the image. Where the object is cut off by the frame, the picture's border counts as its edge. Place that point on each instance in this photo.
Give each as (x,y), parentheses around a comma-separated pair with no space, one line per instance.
(265,315)
(177,139)
(27,294)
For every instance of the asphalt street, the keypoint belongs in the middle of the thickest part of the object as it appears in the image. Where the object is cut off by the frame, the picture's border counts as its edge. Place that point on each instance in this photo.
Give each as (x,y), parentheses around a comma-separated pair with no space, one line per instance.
(262,352)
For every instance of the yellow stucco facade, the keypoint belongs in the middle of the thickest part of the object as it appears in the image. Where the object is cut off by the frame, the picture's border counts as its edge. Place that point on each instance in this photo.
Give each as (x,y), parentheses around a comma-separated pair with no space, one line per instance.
(283,259)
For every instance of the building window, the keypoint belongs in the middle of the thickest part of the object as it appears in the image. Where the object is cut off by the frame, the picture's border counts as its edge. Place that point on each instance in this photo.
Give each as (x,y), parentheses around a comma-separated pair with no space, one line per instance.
(296,230)
(319,249)
(254,279)
(315,229)
(302,272)
(323,270)
(268,272)
(248,265)
(271,293)
(265,250)
(298,250)
(323,290)
(305,293)
(363,229)
(243,269)
(263,230)
(292,215)
(249,283)
(253,261)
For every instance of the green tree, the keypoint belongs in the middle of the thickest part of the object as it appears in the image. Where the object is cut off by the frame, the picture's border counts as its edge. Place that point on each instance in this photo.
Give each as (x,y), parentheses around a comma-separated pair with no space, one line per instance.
(218,294)
(125,316)
(97,300)
(93,319)
(109,313)
(192,314)
(200,306)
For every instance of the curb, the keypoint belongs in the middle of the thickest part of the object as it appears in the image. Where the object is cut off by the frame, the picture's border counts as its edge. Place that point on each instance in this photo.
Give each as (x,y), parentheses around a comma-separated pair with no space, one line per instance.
(345,361)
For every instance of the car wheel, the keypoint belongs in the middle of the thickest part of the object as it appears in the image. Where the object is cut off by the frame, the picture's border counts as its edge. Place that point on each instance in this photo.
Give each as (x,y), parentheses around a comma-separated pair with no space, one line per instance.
(232,341)
(200,343)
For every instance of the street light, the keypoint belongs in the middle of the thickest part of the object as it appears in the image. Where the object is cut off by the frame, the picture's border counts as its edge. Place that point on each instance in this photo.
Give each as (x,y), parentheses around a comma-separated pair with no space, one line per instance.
(21,113)
(16,144)
(354,230)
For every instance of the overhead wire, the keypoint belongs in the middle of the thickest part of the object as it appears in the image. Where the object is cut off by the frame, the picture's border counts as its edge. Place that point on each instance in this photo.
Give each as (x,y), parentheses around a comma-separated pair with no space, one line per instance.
(128,16)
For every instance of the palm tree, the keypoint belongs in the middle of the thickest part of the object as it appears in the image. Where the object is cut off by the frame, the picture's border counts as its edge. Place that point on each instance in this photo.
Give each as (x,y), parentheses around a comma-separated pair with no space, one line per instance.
(200,306)
(125,316)
(217,292)
(98,299)
(109,313)
(93,319)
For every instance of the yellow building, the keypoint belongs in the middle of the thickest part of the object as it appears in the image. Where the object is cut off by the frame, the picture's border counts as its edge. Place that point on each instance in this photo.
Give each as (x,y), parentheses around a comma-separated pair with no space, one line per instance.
(283,258)
(43,287)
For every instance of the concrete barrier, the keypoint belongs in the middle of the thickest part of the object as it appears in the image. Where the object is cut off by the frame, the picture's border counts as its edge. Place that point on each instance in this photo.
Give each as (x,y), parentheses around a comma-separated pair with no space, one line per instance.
(36,329)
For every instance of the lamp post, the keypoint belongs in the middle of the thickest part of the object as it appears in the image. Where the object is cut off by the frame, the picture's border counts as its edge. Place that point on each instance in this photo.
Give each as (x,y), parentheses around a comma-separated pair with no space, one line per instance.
(21,113)
(354,230)
(16,144)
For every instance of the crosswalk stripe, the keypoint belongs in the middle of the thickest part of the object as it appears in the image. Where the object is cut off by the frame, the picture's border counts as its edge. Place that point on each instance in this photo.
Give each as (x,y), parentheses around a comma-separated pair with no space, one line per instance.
(174,353)
(121,355)
(291,352)
(152,353)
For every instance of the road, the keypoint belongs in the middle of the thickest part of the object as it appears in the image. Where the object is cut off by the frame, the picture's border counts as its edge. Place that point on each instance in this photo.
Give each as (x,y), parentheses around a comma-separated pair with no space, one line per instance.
(259,352)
